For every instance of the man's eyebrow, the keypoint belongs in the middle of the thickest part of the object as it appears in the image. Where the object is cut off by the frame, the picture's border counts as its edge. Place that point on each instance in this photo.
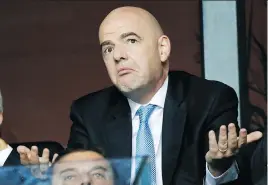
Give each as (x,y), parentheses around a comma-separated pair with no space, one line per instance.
(124,35)
(99,168)
(67,170)
(105,43)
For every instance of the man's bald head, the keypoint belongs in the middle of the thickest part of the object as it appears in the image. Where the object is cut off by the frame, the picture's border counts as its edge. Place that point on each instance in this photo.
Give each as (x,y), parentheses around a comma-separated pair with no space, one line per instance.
(134,13)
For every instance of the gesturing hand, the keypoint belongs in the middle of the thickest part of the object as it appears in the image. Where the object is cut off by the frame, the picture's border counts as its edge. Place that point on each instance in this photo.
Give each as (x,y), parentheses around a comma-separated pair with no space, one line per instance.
(38,165)
(220,155)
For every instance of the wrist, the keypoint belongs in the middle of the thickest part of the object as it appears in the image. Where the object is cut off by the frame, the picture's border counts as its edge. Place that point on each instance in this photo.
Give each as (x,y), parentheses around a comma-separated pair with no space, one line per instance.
(215,172)
(219,166)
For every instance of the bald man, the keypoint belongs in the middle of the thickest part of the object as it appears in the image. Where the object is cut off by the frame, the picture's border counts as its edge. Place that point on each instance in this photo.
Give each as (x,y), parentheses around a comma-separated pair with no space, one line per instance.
(82,167)
(186,125)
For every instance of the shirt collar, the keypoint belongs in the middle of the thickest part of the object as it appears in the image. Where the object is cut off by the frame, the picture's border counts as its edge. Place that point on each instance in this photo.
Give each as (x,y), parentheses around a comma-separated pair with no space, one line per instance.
(158,99)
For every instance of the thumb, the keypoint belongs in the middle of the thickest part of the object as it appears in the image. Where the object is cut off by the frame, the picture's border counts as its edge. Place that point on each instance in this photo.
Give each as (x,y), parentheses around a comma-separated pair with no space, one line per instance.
(208,157)
(55,157)
(254,136)
(22,149)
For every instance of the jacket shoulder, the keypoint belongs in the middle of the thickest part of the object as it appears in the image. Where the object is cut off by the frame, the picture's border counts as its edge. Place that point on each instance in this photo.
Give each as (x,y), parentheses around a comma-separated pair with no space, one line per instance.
(98,98)
(199,85)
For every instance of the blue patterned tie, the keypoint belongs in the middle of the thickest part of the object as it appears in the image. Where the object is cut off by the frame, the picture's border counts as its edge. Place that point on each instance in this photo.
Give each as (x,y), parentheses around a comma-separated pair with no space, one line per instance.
(145,146)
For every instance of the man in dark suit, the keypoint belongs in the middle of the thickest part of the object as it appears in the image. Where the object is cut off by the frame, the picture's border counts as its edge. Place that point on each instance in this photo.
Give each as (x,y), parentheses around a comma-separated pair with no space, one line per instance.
(180,121)
(8,156)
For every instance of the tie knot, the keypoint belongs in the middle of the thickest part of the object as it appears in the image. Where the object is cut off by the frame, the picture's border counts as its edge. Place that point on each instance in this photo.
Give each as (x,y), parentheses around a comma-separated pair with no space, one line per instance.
(145,112)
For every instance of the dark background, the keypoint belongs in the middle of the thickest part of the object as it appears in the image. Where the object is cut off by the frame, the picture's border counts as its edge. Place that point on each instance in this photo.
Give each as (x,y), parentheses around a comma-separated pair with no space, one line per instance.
(49,56)
(252,48)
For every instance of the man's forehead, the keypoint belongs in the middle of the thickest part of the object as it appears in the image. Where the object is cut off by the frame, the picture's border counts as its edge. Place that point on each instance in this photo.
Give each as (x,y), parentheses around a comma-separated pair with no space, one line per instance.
(81,165)
(116,30)
(83,155)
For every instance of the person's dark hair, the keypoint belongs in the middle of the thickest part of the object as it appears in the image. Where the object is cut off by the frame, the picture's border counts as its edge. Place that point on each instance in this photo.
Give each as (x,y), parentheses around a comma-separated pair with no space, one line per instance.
(71,150)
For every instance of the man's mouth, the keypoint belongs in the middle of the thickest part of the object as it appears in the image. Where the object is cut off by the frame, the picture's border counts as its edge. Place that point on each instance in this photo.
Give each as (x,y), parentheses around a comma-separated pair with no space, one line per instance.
(124,70)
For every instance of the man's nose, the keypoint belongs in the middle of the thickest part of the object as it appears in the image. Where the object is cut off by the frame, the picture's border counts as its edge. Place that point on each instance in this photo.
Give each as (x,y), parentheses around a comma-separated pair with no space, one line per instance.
(86,180)
(120,54)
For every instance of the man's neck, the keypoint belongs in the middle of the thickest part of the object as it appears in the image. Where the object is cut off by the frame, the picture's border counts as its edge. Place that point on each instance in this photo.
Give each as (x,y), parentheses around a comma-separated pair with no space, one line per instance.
(145,94)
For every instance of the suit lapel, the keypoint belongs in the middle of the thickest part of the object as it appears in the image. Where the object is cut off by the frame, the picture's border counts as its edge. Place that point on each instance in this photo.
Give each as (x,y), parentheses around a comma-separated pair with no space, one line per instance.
(174,119)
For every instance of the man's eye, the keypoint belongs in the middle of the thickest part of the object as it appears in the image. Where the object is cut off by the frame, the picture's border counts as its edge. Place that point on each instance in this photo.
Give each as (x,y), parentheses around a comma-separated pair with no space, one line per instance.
(132,41)
(98,176)
(108,50)
(69,178)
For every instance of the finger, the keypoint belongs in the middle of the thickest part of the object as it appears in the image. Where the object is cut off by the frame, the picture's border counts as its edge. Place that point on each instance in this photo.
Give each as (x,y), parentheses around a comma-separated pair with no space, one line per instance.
(242,140)
(34,150)
(45,156)
(213,146)
(33,155)
(223,142)
(44,161)
(254,136)
(22,150)
(55,157)
(232,137)
(24,159)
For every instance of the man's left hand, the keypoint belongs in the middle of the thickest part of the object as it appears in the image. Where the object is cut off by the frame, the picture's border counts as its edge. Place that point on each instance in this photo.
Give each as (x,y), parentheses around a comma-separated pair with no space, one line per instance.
(221,154)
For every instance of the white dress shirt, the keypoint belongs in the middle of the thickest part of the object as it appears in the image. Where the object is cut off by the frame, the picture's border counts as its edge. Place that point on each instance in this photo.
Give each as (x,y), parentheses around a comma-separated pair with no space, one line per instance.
(155,123)
(4,155)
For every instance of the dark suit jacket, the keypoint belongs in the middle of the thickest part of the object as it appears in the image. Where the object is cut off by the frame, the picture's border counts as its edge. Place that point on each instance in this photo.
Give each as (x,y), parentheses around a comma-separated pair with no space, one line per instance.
(258,162)
(13,158)
(193,106)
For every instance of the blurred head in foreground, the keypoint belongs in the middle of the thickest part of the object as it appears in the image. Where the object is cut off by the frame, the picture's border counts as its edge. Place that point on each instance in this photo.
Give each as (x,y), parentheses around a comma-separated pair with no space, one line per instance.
(82,167)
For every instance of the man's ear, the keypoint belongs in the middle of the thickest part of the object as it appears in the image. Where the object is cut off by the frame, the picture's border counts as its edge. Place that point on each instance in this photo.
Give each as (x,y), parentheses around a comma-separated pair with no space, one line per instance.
(164,48)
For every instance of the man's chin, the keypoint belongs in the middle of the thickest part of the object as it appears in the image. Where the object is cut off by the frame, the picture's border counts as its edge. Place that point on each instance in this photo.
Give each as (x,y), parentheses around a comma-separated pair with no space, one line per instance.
(129,86)
(125,88)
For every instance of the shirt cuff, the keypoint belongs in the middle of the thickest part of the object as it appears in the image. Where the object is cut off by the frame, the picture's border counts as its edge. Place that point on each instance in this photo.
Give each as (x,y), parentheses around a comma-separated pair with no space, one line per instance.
(230,175)
(4,155)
